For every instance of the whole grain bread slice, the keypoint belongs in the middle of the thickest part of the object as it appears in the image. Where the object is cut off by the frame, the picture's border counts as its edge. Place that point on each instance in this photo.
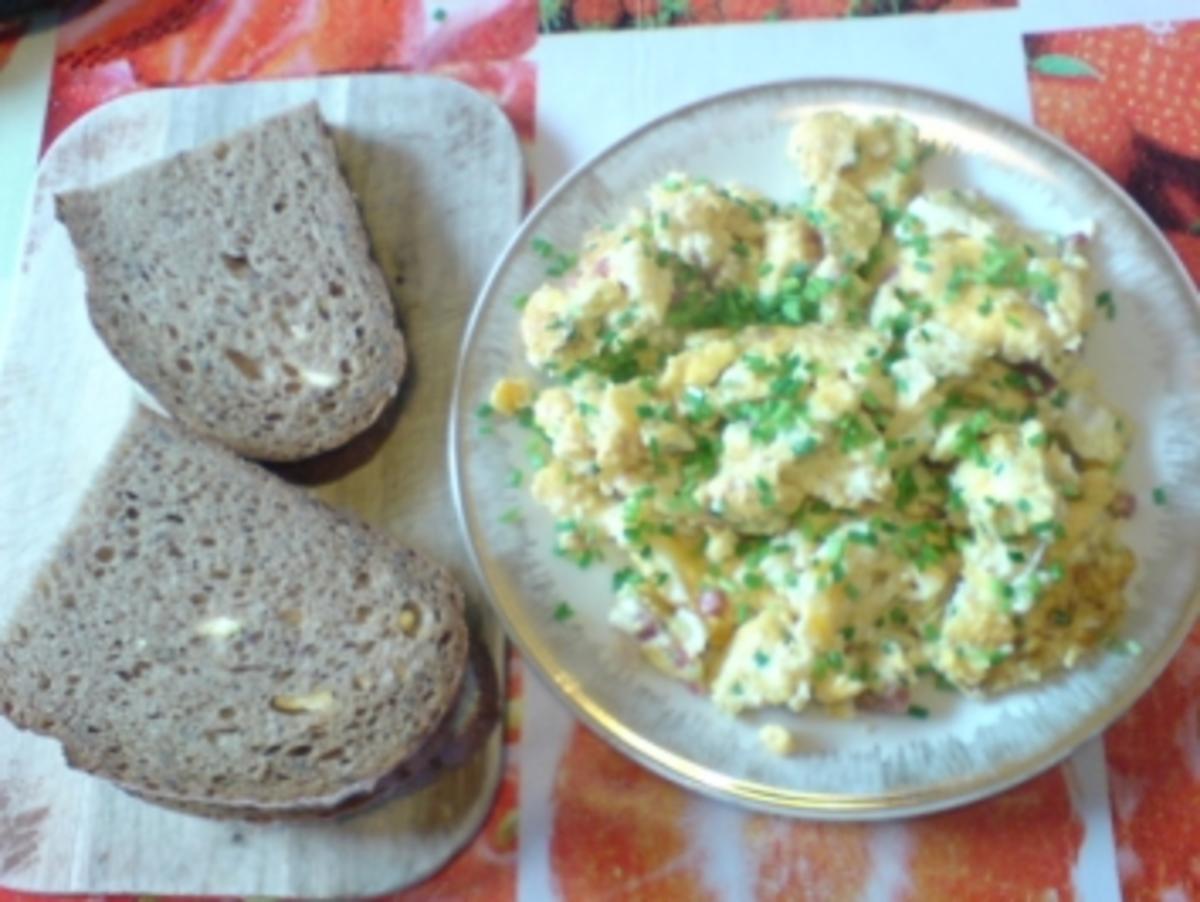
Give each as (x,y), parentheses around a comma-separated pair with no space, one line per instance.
(235,282)
(205,631)
(461,734)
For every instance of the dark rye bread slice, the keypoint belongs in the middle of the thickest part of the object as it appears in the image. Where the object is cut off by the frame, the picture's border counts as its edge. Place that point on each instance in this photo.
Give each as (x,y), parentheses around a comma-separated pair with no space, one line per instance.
(235,282)
(460,735)
(206,631)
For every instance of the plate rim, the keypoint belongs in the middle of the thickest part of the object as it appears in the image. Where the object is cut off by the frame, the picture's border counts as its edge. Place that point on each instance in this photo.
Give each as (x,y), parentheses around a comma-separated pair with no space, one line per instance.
(684,771)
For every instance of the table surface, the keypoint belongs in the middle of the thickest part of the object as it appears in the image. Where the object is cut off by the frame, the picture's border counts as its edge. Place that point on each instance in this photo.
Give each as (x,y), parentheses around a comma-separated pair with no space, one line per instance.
(1120,80)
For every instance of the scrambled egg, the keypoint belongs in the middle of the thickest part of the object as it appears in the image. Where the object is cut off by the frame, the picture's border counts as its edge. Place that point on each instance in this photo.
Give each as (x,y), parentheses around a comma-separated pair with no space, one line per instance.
(838,444)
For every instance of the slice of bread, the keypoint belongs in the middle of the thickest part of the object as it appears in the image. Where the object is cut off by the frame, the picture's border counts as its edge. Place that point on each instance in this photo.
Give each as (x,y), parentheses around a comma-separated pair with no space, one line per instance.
(207,632)
(462,732)
(235,282)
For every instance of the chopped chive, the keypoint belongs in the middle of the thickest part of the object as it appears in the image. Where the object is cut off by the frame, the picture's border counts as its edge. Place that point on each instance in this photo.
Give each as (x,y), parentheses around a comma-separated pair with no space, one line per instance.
(1016,379)
(624,577)
(807,446)
(563,612)
(943,684)
(854,433)
(1049,528)
(1130,647)
(1044,287)
(557,262)
(535,452)
(867,537)
(1160,496)
(906,488)
(510,516)
(918,711)
(766,494)
(515,477)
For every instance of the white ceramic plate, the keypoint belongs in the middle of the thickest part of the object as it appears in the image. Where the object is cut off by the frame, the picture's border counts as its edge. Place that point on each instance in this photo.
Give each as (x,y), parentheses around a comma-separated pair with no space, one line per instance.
(1148,361)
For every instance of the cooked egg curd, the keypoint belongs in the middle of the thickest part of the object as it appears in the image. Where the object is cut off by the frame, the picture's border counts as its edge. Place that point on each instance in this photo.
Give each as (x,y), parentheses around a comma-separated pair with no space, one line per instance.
(836,444)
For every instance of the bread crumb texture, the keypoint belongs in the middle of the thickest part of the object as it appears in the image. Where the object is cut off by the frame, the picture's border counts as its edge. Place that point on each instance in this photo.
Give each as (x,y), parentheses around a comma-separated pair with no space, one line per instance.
(235,282)
(208,632)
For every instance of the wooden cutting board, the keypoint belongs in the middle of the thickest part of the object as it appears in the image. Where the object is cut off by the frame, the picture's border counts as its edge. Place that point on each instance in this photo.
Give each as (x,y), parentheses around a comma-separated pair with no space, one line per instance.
(440,178)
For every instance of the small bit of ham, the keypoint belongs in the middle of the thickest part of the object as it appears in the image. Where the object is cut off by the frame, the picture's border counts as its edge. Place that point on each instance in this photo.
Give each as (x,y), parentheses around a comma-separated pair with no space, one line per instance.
(647,632)
(602,268)
(892,701)
(1040,380)
(1123,506)
(712,602)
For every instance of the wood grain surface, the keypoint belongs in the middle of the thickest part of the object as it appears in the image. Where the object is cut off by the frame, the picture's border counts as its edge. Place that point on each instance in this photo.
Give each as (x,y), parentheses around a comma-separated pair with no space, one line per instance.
(439,175)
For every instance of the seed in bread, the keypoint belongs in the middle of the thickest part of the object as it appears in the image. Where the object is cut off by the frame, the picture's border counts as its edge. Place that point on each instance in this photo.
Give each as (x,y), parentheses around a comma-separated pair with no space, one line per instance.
(206,632)
(235,282)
